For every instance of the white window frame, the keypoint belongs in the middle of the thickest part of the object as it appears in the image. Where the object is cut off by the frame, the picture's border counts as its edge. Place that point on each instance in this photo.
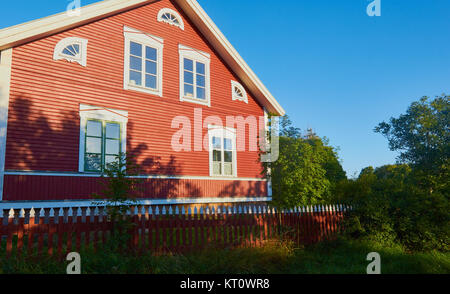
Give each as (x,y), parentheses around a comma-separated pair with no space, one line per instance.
(62,44)
(88,112)
(197,56)
(132,35)
(174,13)
(223,133)
(244,97)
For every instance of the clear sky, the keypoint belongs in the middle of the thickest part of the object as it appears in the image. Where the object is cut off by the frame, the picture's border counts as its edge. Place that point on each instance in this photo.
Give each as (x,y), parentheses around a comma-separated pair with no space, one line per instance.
(331,66)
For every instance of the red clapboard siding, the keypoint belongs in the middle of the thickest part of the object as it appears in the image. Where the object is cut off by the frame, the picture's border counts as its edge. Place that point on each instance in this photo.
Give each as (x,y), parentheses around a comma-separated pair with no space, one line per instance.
(29,188)
(43,127)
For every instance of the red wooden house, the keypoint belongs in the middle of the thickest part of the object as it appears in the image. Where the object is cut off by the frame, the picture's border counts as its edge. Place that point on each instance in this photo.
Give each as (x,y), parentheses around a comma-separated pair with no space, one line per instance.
(122,76)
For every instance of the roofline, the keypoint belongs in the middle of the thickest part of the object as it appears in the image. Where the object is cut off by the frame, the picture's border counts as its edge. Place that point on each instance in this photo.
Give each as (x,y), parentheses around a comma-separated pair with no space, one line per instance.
(30,31)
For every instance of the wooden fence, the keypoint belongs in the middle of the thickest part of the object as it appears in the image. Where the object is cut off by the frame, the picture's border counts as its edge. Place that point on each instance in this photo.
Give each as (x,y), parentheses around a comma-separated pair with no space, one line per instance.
(165,229)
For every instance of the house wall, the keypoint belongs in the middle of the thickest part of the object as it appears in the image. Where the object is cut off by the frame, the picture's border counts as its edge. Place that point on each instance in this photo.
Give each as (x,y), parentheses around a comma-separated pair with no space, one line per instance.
(43,122)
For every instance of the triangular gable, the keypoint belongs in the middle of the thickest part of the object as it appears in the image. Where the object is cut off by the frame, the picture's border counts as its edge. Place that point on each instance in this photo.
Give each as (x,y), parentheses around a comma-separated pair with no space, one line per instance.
(31,31)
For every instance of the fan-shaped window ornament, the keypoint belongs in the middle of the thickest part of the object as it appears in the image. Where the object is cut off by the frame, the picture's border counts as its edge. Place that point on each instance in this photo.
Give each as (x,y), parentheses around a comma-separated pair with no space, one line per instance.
(238,92)
(72,49)
(171,17)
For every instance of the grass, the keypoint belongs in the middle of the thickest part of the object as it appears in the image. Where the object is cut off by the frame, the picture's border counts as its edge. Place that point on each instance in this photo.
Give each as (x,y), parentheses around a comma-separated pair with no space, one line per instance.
(334,257)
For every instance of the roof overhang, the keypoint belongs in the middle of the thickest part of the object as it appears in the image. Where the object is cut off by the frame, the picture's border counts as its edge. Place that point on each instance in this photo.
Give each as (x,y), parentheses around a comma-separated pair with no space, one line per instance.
(34,30)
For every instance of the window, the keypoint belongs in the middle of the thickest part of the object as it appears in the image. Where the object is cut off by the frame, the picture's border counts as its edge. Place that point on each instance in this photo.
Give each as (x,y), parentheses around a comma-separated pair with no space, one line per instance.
(102,137)
(71,49)
(143,62)
(222,146)
(238,92)
(194,76)
(171,17)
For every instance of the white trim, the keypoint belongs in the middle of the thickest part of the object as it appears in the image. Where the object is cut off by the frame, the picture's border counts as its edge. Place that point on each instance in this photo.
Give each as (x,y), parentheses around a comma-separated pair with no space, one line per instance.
(88,203)
(228,133)
(174,13)
(145,39)
(61,45)
(244,98)
(5,85)
(198,56)
(100,113)
(165,177)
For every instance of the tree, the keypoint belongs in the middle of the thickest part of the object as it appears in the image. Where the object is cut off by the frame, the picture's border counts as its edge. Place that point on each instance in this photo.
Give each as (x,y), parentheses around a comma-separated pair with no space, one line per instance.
(423,139)
(307,169)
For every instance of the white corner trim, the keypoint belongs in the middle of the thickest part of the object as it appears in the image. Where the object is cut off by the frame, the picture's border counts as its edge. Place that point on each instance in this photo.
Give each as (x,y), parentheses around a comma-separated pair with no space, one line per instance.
(81,58)
(5,85)
(174,14)
(200,56)
(104,114)
(237,85)
(145,39)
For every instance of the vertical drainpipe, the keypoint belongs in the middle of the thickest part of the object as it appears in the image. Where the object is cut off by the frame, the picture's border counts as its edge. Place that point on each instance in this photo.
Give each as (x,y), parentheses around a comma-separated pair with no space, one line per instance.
(5,82)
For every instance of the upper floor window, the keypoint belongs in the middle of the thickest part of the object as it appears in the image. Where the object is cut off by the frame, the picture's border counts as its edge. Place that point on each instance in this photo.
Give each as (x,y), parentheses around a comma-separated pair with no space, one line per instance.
(222,149)
(143,62)
(102,137)
(238,92)
(171,17)
(194,76)
(72,49)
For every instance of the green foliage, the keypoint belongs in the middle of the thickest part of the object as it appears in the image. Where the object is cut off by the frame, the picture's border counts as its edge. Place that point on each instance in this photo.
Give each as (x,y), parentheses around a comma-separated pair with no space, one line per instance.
(307,169)
(120,192)
(422,136)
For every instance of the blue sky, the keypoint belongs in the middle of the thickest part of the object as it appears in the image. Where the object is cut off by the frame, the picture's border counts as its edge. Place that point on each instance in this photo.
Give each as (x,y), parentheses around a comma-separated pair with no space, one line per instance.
(330,65)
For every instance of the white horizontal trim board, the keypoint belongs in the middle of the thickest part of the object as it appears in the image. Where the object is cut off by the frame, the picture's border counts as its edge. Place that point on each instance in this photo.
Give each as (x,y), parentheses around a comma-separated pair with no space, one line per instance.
(164,177)
(89,203)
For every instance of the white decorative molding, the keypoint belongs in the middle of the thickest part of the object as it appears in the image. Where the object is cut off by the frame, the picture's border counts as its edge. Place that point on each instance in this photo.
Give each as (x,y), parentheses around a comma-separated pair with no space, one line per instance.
(104,114)
(200,56)
(145,39)
(238,92)
(171,17)
(76,50)
(162,177)
(5,85)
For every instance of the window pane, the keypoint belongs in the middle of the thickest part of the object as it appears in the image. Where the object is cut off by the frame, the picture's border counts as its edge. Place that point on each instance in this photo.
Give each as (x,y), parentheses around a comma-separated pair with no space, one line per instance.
(68,52)
(113,131)
(200,68)
(217,168)
(150,67)
(228,169)
(136,63)
(228,144)
(201,81)
(228,156)
(94,128)
(188,77)
(217,143)
(217,156)
(150,81)
(111,159)
(201,94)
(151,53)
(93,162)
(188,90)
(135,78)
(188,64)
(93,145)
(136,49)
(112,146)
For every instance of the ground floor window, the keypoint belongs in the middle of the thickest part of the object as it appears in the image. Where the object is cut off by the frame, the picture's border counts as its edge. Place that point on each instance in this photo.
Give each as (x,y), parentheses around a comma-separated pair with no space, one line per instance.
(222,146)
